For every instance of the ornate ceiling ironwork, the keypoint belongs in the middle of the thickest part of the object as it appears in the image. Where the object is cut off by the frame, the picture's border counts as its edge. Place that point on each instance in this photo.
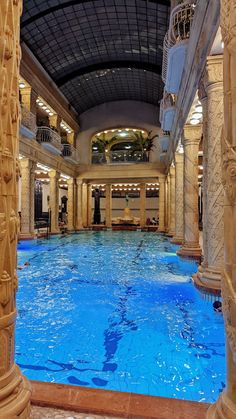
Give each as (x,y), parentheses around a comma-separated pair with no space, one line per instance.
(100,50)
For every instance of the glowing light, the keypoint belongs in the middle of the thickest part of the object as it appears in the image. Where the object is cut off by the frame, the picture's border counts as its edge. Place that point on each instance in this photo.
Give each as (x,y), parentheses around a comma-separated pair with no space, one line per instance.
(194,121)
(22,85)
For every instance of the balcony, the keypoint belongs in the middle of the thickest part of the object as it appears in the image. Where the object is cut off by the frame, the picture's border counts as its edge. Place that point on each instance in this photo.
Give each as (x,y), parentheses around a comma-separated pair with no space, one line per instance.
(167,112)
(49,139)
(70,153)
(28,123)
(120,157)
(176,44)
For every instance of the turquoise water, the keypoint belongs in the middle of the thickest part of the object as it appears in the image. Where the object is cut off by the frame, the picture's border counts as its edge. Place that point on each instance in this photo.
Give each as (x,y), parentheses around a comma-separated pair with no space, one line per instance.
(118,311)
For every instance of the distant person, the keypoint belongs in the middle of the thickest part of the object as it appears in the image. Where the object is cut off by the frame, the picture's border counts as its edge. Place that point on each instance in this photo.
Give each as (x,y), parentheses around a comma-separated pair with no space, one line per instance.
(148,221)
(217,305)
(154,221)
(23,266)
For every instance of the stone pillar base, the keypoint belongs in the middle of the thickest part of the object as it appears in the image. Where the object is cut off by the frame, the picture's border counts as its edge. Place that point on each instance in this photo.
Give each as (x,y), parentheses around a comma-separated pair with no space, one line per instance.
(209,280)
(26,236)
(170,233)
(177,240)
(224,408)
(15,395)
(190,250)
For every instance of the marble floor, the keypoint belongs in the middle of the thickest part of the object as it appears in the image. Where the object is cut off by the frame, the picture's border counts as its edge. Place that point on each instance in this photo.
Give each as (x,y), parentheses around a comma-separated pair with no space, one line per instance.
(48,413)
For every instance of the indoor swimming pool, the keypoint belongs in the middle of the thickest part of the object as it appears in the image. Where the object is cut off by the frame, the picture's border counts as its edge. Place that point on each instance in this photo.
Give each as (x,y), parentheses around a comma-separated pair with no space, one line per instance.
(117,311)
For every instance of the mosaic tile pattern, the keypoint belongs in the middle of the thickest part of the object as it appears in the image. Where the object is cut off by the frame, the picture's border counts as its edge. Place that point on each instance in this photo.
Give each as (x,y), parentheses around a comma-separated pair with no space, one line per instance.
(48,413)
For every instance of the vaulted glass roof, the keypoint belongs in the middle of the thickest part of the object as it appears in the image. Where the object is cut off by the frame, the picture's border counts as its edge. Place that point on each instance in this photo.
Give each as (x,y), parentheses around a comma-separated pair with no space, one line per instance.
(89,47)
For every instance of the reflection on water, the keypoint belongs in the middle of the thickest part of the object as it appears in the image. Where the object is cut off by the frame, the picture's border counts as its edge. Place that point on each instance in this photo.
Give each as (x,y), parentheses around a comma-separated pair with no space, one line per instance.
(117,310)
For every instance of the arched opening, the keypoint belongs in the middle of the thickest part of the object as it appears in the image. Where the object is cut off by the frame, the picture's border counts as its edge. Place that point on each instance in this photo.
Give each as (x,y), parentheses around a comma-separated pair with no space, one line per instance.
(121,145)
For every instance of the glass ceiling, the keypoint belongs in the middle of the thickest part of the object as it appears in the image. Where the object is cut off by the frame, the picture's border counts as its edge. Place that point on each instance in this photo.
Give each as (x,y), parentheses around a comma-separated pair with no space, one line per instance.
(88,47)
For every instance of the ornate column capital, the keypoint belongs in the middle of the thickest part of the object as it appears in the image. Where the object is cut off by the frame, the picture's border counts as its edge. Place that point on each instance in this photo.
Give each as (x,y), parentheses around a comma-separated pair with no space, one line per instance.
(70,181)
(192,133)
(79,181)
(54,174)
(213,76)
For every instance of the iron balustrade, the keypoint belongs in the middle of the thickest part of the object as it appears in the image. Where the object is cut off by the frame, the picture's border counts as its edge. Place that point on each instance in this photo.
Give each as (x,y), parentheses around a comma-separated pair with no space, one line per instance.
(70,152)
(48,135)
(122,156)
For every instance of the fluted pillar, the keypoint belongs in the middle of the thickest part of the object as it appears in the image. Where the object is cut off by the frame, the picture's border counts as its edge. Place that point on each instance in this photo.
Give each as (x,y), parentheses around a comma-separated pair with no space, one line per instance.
(204,101)
(142,204)
(85,204)
(161,227)
(191,247)
(108,205)
(171,230)
(14,388)
(54,200)
(225,407)
(79,220)
(210,278)
(179,199)
(71,204)
(27,198)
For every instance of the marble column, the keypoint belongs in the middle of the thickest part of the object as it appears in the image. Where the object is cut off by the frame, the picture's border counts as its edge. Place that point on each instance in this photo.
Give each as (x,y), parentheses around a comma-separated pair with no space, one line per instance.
(167,204)
(213,244)
(27,198)
(142,205)
(171,230)
(161,227)
(79,220)
(85,204)
(54,200)
(108,205)
(90,205)
(191,247)
(71,204)
(179,199)
(225,407)
(14,388)
(204,102)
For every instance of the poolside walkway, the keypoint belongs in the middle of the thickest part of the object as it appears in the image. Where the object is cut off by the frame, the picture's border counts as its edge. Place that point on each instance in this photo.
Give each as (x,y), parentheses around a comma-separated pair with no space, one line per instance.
(89,403)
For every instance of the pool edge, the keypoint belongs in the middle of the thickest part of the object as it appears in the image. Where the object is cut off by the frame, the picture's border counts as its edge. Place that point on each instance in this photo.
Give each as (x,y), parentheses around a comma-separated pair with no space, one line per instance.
(113,403)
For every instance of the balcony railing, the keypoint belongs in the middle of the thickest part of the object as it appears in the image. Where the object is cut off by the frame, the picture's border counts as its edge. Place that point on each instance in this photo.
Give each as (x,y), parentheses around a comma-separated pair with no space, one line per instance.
(49,139)
(181,19)
(28,119)
(70,153)
(120,157)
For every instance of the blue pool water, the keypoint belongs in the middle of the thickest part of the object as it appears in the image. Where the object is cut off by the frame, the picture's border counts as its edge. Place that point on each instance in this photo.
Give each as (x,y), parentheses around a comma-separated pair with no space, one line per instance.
(118,311)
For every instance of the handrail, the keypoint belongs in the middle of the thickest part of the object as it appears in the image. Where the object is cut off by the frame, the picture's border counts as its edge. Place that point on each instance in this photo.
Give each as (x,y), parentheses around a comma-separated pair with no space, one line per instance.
(28,119)
(47,135)
(70,151)
(122,156)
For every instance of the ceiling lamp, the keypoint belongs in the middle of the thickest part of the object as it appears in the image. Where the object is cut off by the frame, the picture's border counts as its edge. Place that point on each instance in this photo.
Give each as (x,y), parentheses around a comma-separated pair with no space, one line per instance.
(194,121)
(22,85)
(198,108)
(196,115)
(40,103)
(123,134)
(50,114)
